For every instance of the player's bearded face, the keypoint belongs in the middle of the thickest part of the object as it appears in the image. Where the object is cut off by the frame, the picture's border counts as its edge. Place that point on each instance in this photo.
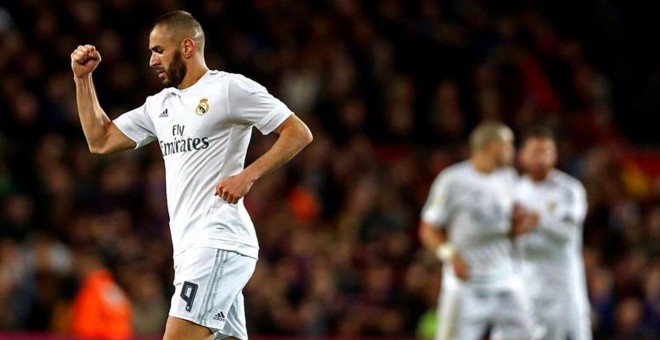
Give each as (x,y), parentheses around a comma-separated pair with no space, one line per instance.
(176,71)
(538,156)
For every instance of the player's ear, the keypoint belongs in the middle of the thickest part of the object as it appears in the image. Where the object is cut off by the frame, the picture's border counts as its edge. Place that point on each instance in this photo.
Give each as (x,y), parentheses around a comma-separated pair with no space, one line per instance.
(188,48)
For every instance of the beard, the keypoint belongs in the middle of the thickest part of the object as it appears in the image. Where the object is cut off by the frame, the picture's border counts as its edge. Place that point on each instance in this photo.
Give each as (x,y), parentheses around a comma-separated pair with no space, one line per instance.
(539,171)
(176,72)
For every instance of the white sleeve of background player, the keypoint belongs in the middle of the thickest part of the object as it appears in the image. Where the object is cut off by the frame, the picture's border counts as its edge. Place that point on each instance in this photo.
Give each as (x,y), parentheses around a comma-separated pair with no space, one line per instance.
(251,104)
(566,221)
(437,208)
(137,126)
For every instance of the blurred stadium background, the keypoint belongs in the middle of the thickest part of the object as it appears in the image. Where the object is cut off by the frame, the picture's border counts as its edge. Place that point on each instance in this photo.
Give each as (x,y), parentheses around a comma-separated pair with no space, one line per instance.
(390,89)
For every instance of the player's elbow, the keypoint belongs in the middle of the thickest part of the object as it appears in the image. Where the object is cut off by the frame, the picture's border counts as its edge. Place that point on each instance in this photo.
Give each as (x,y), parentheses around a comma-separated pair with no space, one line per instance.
(430,235)
(306,136)
(297,130)
(424,232)
(97,148)
(300,133)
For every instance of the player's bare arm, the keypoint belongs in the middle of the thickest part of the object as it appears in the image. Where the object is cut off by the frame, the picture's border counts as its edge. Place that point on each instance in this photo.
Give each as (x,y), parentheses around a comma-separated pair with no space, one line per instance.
(294,135)
(435,240)
(101,134)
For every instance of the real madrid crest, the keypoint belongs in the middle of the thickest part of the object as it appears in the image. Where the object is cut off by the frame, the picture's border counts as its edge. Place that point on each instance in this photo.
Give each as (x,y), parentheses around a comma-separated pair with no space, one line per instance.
(202,107)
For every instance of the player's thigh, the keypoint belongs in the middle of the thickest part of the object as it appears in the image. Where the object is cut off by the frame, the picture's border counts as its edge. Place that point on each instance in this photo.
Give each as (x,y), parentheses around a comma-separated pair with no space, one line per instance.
(176,329)
(208,283)
(448,306)
(236,323)
(581,320)
(513,319)
(478,307)
(463,314)
(552,316)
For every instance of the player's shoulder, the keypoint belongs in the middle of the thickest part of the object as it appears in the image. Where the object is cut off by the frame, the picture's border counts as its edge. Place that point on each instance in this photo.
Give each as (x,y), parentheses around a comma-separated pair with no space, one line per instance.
(164,93)
(457,169)
(453,172)
(561,178)
(240,81)
(506,175)
(157,99)
(508,171)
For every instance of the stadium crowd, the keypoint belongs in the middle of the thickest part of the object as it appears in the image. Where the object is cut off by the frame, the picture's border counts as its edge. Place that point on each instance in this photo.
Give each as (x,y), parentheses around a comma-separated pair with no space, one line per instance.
(390,89)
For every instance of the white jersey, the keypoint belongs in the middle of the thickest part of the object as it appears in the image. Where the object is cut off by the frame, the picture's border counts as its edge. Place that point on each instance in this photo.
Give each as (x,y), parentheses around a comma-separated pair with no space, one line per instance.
(475,209)
(204,132)
(552,252)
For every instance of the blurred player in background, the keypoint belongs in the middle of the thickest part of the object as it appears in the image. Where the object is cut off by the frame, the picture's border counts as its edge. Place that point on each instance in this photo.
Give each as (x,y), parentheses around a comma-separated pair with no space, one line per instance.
(203,121)
(552,250)
(466,222)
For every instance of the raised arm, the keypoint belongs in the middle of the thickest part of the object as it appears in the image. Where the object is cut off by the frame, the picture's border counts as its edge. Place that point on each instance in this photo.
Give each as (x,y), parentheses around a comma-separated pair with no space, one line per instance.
(101,134)
(294,135)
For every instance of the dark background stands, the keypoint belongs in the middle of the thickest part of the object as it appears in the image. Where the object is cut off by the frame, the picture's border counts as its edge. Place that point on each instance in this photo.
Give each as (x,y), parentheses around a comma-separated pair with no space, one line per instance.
(390,89)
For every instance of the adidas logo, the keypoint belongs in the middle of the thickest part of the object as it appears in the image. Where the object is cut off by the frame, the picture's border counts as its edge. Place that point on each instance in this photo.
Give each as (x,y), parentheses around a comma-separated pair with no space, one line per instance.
(163,114)
(219,317)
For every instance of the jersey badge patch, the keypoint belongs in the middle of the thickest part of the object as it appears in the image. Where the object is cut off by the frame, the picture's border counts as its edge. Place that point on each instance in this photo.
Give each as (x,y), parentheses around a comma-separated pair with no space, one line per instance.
(202,107)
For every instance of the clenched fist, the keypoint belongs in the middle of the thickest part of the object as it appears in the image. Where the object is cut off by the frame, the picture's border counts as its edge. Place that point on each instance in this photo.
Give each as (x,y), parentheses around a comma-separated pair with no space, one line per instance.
(84,60)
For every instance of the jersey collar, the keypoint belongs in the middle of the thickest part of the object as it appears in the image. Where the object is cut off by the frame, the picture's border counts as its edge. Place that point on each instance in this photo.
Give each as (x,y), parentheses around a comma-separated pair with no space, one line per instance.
(205,78)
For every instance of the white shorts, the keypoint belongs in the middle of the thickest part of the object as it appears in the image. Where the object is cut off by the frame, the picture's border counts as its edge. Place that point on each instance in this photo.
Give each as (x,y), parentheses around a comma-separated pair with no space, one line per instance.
(559,301)
(208,285)
(560,315)
(466,311)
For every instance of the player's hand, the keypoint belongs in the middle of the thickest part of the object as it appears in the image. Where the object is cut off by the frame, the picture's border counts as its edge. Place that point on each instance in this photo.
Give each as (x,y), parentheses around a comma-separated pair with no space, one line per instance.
(460,268)
(233,188)
(84,60)
(523,220)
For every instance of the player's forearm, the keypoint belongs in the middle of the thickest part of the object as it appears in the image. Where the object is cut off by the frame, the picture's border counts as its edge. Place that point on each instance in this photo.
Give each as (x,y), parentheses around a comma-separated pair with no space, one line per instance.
(93,119)
(430,236)
(435,240)
(557,229)
(290,142)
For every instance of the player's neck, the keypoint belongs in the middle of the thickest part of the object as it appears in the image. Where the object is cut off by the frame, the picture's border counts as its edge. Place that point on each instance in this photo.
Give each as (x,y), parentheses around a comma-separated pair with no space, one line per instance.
(195,72)
(482,164)
(539,176)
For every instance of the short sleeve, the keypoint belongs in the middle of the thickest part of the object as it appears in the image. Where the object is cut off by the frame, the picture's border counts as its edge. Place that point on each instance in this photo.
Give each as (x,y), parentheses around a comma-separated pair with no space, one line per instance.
(574,205)
(251,104)
(437,207)
(137,126)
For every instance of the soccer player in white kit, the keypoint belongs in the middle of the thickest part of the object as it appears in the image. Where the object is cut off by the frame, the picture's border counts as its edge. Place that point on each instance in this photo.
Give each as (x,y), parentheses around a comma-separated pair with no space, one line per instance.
(203,121)
(466,222)
(552,251)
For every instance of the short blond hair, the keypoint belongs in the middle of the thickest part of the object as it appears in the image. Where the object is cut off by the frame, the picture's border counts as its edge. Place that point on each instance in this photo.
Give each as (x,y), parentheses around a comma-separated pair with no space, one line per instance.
(486,132)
